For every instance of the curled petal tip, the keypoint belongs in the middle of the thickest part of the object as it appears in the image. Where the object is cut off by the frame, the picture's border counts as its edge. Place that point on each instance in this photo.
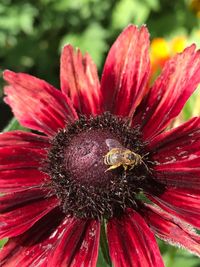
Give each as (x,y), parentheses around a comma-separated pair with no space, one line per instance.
(8,74)
(67,46)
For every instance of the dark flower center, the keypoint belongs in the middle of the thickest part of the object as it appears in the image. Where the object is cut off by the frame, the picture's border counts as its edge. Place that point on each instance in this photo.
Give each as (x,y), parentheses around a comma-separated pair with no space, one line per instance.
(84,158)
(78,168)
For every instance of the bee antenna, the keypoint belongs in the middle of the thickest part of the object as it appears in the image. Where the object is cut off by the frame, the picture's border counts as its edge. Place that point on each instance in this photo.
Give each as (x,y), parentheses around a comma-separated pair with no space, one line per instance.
(145,155)
(147,168)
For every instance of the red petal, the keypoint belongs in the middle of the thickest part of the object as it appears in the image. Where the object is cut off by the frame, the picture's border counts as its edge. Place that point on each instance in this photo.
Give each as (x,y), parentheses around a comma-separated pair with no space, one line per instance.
(21,179)
(42,242)
(37,104)
(126,71)
(32,248)
(87,253)
(22,150)
(178,80)
(131,243)
(27,211)
(177,155)
(79,80)
(12,201)
(172,230)
(24,139)
(17,158)
(185,135)
(21,154)
(77,245)
(181,177)
(181,203)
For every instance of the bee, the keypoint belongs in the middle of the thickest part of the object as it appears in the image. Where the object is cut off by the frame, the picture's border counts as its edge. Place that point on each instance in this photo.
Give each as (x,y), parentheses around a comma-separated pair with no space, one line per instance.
(121,156)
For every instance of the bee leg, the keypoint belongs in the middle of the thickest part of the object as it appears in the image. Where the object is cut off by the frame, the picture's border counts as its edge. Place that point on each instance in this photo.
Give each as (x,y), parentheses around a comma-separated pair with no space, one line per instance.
(113,167)
(131,167)
(125,167)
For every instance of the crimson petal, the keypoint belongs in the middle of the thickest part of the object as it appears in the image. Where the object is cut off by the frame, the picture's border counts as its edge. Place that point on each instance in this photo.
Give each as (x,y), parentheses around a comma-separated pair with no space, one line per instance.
(77,245)
(32,248)
(23,214)
(20,179)
(185,134)
(131,243)
(21,154)
(11,201)
(37,104)
(20,150)
(178,80)
(79,80)
(181,203)
(177,155)
(171,229)
(19,157)
(126,71)
(24,139)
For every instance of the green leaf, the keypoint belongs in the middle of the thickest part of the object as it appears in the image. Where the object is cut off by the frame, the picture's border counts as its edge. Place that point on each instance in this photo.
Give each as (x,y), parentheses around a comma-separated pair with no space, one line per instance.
(178,257)
(128,11)
(153,4)
(14,125)
(191,105)
(3,241)
(92,40)
(174,256)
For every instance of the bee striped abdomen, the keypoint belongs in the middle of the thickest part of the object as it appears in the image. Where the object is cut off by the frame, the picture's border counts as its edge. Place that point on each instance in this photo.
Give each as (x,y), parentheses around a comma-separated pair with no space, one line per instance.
(112,157)
(117,157)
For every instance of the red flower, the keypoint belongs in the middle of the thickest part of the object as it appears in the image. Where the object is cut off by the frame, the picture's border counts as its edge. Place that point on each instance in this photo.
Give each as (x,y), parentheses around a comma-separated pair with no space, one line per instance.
(56,188)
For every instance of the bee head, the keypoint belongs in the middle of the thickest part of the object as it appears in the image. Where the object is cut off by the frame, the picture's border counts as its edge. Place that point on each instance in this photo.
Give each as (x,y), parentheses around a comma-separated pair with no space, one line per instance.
(131,156)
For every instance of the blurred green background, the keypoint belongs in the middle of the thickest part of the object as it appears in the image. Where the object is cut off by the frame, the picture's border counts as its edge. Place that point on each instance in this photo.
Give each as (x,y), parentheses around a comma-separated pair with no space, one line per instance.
(32,34)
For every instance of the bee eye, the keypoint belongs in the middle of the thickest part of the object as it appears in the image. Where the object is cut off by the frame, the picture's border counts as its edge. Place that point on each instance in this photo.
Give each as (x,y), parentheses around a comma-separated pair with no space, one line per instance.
(130,156)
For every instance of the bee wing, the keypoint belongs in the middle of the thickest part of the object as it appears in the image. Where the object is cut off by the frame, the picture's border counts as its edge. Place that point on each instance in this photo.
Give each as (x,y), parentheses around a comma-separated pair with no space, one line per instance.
(112,143)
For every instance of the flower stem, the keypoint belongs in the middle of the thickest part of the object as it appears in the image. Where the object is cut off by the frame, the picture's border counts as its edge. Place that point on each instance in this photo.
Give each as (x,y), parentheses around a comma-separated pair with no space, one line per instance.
(104,244)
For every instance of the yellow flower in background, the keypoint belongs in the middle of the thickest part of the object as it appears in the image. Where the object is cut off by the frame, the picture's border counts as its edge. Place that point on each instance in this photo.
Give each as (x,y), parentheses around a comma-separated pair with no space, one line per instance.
(161,50)
(178,44)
